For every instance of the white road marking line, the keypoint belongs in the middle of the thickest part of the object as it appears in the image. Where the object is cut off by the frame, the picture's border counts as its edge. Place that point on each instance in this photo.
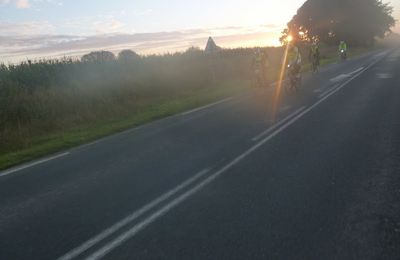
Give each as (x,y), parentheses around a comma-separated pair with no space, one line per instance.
(107,248)
(111,230)
(140,127)
(90,144)
(272,128)
(345,76)
(118,241)
(23,167)
(339,78)
(356,71)
(384,76)
(137,228)
(207,106)
(328,91)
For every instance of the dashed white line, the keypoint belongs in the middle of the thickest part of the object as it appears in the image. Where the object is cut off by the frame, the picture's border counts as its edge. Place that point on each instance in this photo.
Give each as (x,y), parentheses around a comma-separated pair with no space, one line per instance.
(23,167)
(345,76)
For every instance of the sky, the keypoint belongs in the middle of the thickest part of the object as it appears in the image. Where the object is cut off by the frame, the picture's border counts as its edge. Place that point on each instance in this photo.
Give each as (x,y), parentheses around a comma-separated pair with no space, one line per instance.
(53,28)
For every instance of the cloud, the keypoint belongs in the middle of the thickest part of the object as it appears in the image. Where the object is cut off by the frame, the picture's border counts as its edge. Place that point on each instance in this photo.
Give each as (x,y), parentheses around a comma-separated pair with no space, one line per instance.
(4,2)
(112,26)
(147,12)
(26,28)
(98,24)
(14,48)
(22,4)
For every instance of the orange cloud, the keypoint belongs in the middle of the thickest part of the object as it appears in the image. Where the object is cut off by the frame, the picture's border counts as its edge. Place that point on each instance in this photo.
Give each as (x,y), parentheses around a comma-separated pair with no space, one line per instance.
(22,4)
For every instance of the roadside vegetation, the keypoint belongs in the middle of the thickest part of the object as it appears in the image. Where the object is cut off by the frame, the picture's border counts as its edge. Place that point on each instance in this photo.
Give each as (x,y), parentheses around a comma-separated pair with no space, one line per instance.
(50,105)
(358,22)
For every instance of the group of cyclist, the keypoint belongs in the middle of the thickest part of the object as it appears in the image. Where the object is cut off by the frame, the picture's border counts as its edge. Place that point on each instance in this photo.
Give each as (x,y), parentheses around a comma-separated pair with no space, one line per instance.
(293,62)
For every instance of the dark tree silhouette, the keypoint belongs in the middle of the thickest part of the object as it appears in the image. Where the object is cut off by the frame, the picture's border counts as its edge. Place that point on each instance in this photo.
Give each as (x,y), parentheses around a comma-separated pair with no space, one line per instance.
(98,56)
(358,22)
(128,55)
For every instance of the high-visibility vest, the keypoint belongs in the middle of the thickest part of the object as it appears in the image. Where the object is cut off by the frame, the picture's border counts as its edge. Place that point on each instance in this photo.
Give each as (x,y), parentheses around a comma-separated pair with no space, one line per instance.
(294,55)
(259,59)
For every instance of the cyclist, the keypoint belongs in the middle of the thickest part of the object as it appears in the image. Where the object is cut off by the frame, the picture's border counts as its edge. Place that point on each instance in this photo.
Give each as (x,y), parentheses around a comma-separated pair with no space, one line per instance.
(259,67)
(294,57)
(343,50)
(294,65)
(314,56)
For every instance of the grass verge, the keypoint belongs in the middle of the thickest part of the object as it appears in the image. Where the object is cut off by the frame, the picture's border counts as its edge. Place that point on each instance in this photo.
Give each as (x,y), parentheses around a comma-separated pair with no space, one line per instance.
(42,146)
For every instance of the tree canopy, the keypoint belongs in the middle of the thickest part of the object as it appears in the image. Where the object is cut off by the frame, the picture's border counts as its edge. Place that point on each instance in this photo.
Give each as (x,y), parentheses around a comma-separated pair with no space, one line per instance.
(128,55)
(358,22)
(98,56)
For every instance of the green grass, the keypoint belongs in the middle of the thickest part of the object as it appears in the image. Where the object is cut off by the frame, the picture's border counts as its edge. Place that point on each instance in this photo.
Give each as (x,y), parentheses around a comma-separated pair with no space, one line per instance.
(42,146)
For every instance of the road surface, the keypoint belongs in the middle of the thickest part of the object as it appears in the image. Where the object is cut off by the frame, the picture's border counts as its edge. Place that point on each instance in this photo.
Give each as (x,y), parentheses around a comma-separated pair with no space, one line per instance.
(227,181)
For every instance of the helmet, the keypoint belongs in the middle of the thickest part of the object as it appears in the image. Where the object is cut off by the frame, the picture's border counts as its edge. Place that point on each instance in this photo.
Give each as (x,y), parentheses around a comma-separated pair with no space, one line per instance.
(315,39)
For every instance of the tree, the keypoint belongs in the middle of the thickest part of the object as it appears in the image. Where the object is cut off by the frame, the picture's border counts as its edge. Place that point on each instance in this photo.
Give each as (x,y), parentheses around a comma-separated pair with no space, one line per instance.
(128,55)
(194,51)
(98,56)
(358,22)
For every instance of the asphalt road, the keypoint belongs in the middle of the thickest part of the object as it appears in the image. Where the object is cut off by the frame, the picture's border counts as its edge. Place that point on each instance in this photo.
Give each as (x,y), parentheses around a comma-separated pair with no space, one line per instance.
(321,181)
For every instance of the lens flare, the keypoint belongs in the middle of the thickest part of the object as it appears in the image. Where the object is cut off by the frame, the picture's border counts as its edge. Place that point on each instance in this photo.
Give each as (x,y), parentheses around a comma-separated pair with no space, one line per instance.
(278,90)
(289,38)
